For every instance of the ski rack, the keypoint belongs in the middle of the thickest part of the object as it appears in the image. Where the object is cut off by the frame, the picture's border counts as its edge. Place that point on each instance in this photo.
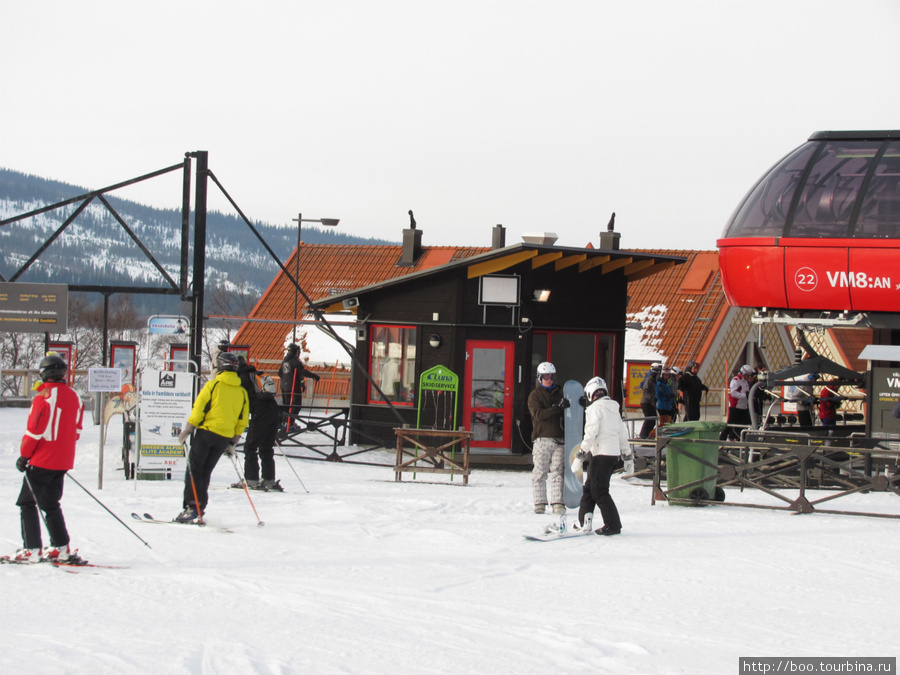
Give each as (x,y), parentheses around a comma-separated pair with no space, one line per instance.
(433,455)
(778,463)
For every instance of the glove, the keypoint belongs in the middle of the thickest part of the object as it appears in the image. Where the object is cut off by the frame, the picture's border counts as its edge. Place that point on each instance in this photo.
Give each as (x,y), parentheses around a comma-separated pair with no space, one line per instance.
(316,378)
(563,403)
(230,450)
(186,432)
(629,466)
(582,401)
(22,464)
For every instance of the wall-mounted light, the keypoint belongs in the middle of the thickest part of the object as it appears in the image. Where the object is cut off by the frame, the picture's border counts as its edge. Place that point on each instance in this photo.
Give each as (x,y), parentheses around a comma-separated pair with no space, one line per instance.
(542,295)
(435,341)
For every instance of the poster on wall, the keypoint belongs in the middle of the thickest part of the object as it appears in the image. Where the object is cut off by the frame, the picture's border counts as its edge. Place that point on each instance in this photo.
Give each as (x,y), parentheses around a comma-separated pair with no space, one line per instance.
(123,355)
(178,357)
(166,400)
(635,371)
(67,351)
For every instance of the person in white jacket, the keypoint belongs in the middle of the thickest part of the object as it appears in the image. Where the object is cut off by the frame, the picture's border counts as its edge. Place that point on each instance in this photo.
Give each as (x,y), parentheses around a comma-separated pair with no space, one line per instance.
(605,440)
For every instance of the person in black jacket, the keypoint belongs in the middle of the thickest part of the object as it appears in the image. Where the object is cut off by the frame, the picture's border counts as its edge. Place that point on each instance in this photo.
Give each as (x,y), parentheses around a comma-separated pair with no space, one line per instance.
(692,389)
(293,381)
(259,446)
(546,404)
(648,400)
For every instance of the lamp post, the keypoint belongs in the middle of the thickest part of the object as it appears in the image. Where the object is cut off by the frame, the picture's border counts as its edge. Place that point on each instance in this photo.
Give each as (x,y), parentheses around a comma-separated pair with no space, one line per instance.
(328,222)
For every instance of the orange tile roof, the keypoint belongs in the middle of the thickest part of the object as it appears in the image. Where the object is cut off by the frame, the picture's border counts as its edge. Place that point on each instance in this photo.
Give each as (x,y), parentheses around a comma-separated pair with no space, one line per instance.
(694,300)
(325,269)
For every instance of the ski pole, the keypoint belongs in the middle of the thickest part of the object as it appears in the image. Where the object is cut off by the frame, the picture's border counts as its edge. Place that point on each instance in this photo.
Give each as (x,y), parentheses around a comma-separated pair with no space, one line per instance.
(103,505)
(260,523)
(193,484)
(34,495)
(281,450)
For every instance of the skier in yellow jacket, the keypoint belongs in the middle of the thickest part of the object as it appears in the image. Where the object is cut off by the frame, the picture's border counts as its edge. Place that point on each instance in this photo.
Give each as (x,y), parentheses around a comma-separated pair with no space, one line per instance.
(218,418)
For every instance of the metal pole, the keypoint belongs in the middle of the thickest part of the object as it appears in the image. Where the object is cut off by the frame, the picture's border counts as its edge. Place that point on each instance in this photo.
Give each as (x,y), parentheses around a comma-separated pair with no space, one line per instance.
(299,220)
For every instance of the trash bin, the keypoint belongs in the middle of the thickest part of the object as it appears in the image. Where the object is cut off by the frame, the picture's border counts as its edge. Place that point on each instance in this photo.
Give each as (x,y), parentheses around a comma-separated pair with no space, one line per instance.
(682,468)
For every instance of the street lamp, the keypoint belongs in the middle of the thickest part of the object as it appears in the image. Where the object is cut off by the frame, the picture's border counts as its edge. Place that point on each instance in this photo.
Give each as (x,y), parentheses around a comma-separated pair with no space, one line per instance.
(328,222)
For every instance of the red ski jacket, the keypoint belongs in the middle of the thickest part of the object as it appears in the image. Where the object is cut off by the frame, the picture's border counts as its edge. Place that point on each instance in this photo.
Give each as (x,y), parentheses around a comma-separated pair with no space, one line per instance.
(54,425)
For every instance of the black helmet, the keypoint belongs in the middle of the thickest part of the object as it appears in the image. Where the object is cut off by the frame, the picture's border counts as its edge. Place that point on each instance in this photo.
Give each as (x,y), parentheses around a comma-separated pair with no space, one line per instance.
(226,361)
(293,348)
(53,368)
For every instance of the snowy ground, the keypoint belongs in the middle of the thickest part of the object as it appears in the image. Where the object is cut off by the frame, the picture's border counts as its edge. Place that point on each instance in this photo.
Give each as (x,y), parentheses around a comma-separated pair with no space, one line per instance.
(366,575)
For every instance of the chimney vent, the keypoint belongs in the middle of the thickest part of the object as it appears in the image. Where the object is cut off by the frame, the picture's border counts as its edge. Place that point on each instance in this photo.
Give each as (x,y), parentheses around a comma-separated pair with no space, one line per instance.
(498,237)
(412,244)
(609,240)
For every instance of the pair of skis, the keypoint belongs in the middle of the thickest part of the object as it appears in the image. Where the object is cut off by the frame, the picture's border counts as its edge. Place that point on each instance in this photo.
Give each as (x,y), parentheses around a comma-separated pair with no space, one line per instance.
(147,518)
(61,564)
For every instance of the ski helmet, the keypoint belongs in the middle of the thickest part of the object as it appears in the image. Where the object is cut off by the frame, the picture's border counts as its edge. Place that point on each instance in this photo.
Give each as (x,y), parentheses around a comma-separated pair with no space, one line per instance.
(692,364)
(656,367)
(595,388)
(53,368)
(293,348)
(746,369)
(226,361)
(676,370)
(546,368)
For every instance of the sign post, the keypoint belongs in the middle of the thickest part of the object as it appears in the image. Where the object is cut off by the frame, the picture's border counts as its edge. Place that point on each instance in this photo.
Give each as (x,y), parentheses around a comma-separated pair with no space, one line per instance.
(103,380)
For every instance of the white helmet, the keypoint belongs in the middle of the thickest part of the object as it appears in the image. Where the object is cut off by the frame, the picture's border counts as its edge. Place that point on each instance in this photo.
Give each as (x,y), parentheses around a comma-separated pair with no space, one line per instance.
(746,369)
(593,386)
(546,368)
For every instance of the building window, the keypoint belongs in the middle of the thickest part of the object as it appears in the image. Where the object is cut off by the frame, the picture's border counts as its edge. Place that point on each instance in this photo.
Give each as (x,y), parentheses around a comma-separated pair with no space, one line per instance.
(577,356)
(392,363)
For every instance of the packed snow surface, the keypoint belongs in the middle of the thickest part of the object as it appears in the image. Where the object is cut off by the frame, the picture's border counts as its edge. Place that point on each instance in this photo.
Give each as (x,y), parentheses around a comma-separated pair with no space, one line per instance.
(362,574)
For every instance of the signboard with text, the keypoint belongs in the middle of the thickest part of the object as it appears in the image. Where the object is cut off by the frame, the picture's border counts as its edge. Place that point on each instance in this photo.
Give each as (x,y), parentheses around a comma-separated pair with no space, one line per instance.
(166,400)
(34,308)
(635,371)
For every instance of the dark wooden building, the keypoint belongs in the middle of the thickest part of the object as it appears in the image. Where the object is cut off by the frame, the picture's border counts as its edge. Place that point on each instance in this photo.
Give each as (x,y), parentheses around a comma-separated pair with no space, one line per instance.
(490,319)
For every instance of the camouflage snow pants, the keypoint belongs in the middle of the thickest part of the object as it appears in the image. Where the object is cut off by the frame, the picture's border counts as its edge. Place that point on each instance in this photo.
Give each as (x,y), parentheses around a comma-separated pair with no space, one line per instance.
(548,456)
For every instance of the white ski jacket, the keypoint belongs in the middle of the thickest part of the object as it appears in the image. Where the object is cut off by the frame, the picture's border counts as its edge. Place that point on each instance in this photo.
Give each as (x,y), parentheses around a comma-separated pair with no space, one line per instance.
(604,431)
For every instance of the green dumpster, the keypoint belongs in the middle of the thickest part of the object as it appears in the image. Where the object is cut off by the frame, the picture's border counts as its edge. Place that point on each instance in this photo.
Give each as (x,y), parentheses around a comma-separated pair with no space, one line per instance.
(684,468)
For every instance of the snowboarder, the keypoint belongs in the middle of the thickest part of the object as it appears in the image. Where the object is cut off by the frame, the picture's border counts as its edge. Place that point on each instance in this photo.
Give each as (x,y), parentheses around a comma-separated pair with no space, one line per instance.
(666,406)
(605,441)
(546,404)
(219,417)
(46,454)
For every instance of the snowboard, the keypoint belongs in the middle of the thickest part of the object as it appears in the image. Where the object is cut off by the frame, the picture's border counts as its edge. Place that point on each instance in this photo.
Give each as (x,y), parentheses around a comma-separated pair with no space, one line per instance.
(573,418)
(553,532)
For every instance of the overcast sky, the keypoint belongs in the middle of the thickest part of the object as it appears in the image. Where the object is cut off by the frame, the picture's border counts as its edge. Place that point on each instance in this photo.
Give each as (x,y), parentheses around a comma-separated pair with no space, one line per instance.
(542,116)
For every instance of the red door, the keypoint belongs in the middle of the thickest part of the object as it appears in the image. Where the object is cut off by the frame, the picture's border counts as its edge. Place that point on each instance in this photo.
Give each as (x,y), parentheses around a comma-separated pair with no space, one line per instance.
(487,407)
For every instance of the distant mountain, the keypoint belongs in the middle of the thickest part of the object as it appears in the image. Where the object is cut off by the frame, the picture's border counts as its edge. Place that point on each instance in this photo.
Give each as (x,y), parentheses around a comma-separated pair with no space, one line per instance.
(96,250)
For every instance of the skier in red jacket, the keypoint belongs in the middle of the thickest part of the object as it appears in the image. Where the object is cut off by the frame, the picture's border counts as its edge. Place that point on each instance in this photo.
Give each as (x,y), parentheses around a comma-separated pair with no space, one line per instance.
(47,453)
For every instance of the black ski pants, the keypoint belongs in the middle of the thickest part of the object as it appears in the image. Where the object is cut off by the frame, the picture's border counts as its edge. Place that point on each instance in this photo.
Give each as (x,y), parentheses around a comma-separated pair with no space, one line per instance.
(206,449)
(596,491)
(649,411)
(260,444)
(48,491)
